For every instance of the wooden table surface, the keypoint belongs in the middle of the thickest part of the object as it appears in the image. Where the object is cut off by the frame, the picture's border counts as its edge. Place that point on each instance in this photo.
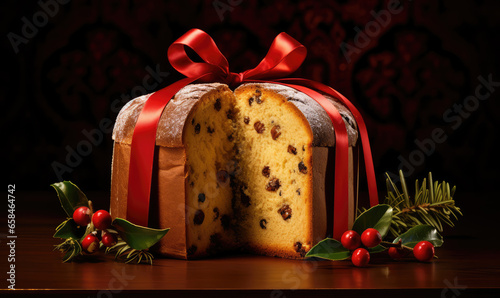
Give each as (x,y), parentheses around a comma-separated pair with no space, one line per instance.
(462,270)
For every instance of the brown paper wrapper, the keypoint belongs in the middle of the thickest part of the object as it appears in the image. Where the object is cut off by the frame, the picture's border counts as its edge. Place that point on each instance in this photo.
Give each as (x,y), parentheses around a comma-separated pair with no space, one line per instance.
(167,199)
(168,193)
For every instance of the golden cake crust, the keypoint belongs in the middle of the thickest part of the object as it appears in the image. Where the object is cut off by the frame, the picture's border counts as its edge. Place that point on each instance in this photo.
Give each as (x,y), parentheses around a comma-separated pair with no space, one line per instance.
(172,120)
(319,121)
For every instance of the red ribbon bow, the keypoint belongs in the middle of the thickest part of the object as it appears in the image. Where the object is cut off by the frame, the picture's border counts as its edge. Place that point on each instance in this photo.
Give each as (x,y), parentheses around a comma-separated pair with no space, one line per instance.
(283,58)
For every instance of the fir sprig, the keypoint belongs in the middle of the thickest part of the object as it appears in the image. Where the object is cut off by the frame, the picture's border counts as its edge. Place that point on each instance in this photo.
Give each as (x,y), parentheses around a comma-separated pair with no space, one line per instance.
(71,249)
(125,253)
(433,204)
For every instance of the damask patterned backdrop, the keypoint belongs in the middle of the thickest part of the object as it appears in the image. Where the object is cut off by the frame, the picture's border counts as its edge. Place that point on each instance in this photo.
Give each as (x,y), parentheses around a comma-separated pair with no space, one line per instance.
(423,73)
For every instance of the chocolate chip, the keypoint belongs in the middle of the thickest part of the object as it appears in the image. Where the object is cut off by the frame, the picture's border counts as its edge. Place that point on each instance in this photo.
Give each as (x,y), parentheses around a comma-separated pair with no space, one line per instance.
(299,248)
(232,182)
(348,119)
(210,130)
(215,239)
(197,128)
(245,200)
(298,191)
(280,193)
(263,224)
(230,138)
(217,105)
(192,121)
(199,217)
(303,148)
(302,168)
(215,244)
(225,221)
(259,127)
(201,197)
(246,119)
(292,150)
(275,132)
(216,211)
(266,171)
(285,211)
(191,184)
(273,184)
(229,114)
(191,250)
(222,176)
(257,96)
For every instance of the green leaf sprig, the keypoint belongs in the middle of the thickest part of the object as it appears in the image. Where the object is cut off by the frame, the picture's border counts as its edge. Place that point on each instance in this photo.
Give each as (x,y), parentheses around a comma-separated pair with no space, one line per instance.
(133,243)
(71,249)
(379,218)
(433,205)
(123,252)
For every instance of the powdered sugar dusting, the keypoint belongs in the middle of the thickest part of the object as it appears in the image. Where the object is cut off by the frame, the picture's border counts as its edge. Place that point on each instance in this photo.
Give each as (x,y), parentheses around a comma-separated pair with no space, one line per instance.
(126,119)
(172,120)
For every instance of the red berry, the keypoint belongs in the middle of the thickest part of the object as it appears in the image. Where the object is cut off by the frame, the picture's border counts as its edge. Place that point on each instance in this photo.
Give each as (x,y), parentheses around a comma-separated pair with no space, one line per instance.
(397,253)
(350,240)
(109,239)
(371,238)
(424,251)
(90,243)
(101,219)
(81,216)
(360,257)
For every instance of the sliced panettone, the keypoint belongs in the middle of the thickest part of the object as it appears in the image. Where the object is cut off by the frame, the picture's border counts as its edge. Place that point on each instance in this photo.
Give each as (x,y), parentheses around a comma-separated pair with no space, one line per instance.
(251,169)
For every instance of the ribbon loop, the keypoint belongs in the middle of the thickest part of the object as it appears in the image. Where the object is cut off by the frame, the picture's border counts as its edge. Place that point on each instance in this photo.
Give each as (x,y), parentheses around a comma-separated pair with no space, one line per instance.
(204,46)
(283,58)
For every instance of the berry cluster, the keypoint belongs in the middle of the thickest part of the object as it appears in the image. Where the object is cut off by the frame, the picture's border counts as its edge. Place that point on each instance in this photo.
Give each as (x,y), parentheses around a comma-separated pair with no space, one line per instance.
(101,221)
(423,251)
(352,241)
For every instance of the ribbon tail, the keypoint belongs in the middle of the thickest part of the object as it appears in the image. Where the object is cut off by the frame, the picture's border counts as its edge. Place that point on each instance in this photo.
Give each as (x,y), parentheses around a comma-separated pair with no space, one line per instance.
(341,192)
(367,153)
(142,152)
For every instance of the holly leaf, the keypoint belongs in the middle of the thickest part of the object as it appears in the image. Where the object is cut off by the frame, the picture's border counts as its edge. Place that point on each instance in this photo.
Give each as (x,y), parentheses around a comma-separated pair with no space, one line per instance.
(70,196)
(377,249)
(138,237)
(329,249)
(378,217)
(420,233)
(69,229)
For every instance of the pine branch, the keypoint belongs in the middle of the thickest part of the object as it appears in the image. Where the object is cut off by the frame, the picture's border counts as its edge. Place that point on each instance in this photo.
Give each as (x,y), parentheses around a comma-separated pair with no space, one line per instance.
(125,253)
(433,204)
(71,249)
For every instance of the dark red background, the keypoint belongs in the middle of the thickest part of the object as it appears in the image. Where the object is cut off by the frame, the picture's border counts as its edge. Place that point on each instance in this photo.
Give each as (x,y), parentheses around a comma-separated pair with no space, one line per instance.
(427,58)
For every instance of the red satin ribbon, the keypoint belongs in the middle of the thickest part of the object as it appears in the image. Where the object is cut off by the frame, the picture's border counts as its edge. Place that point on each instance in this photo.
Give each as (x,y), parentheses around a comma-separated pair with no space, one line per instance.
(283,58)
